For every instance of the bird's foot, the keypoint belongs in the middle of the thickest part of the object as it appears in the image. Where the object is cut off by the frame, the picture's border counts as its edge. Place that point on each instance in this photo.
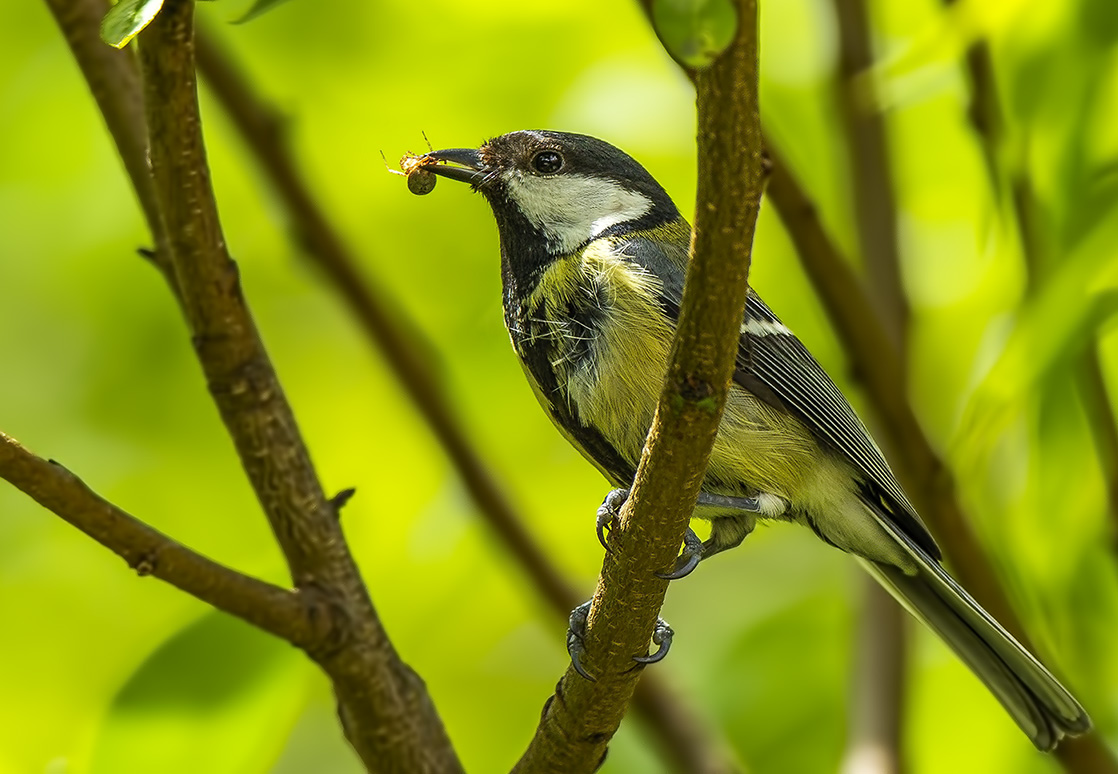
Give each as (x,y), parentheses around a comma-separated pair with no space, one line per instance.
(576,643)
(608,513)
(688,558)
(662,637)
(576,632)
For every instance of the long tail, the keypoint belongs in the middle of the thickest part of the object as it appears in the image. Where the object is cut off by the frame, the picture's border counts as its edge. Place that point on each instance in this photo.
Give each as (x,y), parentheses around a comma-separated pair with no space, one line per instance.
(1042,707)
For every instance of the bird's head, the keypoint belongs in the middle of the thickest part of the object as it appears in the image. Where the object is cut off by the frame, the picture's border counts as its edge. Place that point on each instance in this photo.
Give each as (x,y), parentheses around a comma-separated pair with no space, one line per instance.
(554,191)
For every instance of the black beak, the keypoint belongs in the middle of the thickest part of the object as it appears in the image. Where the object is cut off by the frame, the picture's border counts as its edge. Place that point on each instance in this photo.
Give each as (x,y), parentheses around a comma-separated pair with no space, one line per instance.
(471,170)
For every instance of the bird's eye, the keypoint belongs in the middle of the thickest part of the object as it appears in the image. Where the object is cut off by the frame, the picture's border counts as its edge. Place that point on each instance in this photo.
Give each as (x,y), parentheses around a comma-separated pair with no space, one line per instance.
(547,162)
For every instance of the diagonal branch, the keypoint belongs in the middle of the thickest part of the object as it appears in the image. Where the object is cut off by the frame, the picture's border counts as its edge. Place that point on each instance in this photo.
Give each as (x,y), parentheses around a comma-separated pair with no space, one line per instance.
(683,739)
(386,712)
(924,474)
(297,618)
(876,363)
(582,716)
(378,316)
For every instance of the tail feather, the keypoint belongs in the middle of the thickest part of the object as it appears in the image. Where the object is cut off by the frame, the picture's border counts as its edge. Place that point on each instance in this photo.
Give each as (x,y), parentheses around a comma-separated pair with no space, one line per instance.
(1042,707)
(1035,700)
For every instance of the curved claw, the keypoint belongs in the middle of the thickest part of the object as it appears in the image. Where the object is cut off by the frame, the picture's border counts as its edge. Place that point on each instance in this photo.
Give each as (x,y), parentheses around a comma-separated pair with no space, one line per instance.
(662,636)
(576,628)
(608,512)
(688,559)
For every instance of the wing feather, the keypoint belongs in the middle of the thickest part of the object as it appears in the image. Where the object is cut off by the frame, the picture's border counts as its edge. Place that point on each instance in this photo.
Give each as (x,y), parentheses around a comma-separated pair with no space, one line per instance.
(773,356)
(775,366)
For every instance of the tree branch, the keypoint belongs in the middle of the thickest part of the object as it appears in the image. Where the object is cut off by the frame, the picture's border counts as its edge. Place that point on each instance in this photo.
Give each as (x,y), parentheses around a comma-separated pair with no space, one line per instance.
(922,472)
(876,726)
(582,716)
(298,618)
(378,316)
(386,712)
(1104,427)
(867,146)
(114,81)
(876,363)
(877,688)
(683,739)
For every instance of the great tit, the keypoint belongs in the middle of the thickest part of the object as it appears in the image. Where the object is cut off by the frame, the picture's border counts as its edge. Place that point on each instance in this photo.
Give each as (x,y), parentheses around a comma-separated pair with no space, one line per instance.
(593,257)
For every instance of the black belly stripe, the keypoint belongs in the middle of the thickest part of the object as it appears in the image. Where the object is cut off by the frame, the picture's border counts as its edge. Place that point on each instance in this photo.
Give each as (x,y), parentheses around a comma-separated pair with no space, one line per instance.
(538,354)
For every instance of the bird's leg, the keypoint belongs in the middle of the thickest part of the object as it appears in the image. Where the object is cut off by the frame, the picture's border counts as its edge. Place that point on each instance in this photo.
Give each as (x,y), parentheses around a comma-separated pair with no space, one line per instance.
(576,640)
(695,550)
(726,531)
(747,504)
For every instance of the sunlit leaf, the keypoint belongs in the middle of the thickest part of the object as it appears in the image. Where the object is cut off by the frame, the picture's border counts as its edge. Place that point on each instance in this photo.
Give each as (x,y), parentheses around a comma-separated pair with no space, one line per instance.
(695,32)
(219,696)
(125,20)
(259,8)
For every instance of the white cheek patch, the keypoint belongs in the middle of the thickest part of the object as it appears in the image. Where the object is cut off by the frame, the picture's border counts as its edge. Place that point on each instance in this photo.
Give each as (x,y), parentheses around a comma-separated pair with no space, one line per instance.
(573,209)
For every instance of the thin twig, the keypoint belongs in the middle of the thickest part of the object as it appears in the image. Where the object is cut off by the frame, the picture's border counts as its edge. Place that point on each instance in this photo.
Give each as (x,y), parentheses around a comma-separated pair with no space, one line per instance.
(297,618)
(689,744)
(581,718)
(386,712)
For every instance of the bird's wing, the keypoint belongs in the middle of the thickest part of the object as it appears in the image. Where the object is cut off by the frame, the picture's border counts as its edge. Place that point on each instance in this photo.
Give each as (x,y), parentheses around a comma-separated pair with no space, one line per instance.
(776,367)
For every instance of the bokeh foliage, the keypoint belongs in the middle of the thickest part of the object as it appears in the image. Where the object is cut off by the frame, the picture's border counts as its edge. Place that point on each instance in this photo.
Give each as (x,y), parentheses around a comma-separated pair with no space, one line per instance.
(105,672)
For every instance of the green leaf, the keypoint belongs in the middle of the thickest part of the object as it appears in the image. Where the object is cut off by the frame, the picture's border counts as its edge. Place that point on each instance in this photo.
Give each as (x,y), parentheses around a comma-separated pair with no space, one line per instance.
(695,32)
(125,19)
(219,696)
(259,8)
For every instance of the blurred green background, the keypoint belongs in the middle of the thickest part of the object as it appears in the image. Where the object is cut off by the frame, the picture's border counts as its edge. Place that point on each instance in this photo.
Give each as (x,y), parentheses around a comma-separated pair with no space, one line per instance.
(101,671)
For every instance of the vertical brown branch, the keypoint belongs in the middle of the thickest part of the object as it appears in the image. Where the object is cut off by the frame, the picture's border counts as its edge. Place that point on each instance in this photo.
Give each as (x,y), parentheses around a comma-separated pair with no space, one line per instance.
(877,688)
(878,704)
(114,81)
(385,710)
(581,718)
(868,152)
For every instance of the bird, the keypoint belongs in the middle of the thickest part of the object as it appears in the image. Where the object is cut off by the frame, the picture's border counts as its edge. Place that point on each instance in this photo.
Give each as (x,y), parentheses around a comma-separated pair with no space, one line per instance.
(593,258)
